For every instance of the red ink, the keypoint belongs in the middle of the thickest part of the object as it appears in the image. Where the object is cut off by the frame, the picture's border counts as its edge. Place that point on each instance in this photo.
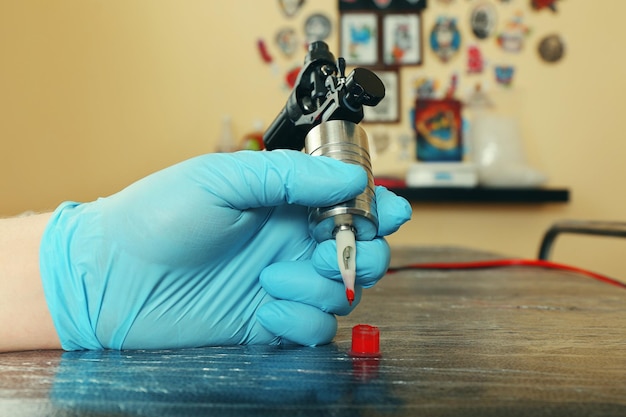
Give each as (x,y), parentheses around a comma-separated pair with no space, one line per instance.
(350,296)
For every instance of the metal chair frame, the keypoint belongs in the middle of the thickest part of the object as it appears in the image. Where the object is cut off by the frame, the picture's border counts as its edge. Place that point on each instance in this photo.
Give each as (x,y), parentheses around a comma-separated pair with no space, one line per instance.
(585,227)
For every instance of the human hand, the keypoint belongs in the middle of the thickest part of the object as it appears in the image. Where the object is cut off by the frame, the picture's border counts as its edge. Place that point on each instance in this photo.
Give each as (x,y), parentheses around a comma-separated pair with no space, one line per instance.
(174,260)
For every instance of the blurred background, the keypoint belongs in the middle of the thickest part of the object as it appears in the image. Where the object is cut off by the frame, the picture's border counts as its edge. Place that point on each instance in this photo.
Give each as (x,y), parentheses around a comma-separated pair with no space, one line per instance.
(96,94)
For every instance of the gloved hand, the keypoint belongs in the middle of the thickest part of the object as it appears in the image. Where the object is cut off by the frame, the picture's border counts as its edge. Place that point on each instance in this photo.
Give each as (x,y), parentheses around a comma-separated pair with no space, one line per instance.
(178,258)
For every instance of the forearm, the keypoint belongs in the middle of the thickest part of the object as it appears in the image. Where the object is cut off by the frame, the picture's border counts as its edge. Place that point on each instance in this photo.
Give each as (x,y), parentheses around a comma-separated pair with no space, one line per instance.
(25,322)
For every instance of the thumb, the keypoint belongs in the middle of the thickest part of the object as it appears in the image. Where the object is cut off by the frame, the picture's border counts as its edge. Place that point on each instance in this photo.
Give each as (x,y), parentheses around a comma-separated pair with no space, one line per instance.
(250,179)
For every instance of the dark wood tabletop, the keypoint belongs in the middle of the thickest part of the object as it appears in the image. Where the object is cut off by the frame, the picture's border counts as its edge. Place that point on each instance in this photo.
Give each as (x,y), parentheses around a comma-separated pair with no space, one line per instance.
(509,341)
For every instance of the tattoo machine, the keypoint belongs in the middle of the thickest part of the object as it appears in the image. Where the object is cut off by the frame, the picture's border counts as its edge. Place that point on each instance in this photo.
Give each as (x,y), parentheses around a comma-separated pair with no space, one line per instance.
(322,115)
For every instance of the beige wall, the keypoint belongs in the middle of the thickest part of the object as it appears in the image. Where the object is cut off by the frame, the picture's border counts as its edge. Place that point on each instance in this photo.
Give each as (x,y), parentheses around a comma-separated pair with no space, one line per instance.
(95,94)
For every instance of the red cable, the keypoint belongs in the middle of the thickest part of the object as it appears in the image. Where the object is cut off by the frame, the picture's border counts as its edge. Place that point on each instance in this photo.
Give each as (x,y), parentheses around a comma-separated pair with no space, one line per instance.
(507,262)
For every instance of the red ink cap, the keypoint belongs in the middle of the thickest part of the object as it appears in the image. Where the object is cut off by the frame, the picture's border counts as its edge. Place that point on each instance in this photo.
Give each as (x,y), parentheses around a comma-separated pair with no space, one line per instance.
(365,341)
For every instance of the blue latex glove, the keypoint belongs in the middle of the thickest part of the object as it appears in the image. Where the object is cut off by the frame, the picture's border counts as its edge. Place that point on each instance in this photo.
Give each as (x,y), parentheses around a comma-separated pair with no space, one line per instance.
(178,258)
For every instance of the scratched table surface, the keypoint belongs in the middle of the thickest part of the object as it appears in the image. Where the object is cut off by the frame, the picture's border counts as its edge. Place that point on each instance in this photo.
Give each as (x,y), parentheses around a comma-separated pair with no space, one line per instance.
(514,341)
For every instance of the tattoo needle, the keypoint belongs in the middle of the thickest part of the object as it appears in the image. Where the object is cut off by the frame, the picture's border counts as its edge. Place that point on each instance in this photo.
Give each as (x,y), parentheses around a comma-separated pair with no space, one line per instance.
(346,257)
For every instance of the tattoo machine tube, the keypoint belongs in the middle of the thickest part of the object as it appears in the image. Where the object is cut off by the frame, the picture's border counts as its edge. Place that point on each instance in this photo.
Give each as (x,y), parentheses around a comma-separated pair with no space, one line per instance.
(347,142)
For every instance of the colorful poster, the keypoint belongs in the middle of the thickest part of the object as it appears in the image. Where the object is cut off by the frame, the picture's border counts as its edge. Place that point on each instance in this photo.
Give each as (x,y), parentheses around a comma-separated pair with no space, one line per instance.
(438,130)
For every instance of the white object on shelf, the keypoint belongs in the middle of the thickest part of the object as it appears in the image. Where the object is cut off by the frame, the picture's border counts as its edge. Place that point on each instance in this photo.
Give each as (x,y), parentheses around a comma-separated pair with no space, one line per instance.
(442,174)
(499,153)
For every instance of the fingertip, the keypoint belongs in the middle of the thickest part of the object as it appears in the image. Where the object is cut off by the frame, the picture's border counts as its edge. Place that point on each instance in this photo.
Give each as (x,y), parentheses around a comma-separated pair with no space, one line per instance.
(393,211)
(270,280)
(374,259)
(300,282)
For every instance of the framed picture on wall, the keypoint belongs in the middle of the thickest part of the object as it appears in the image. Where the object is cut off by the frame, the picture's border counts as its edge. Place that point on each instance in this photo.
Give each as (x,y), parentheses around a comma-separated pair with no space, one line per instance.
(402,40)
(388,110)
(359,38)
(387,5)
(381,33)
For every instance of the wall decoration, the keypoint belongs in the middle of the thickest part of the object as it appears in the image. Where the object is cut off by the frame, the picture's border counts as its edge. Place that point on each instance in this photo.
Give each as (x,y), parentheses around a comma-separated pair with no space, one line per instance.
(292,76)
(359,38)
(551,48)
(504,74)
(264,52)
(514,34)
(402,39)
(290,7)
(380,139)
(483,20)
(475,61)
(388,110)
(387,35)
(445,38)
(438,131)
(405,140)
(544,4)
(425,87)
(452,86)
(317,27)
(287,41)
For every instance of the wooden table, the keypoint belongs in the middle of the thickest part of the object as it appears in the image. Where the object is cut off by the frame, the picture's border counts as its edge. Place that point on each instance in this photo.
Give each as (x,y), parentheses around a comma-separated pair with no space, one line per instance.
(514,341)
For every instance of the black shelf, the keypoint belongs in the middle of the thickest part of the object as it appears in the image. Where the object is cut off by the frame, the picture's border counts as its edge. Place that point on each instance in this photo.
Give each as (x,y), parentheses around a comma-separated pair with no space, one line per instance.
(482,195)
